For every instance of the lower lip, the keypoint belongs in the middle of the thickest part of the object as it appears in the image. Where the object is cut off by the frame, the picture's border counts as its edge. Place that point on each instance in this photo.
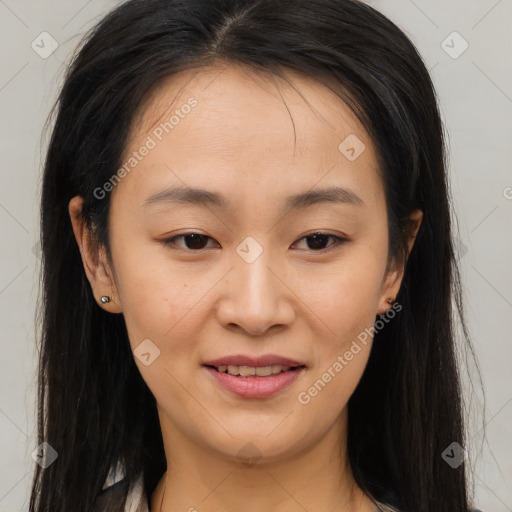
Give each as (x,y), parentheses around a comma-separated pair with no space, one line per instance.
(254,386)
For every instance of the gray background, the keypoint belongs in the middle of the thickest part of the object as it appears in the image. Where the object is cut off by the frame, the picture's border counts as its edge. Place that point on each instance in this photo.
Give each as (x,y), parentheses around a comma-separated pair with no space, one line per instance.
(475,91)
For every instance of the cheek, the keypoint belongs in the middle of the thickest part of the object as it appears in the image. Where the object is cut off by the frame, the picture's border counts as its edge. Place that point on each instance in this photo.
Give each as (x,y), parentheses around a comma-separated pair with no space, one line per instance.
(159,300)
(345,297)
(163,298)
(347,307)
(332,382)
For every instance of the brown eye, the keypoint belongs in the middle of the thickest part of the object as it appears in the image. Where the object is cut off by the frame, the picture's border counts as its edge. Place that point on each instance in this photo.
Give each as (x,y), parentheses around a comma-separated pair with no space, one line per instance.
(317,241)
(193,241)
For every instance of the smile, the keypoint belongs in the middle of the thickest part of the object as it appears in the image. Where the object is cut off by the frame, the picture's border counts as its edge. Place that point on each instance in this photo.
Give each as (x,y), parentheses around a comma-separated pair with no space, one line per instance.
(249,371)
(254,382)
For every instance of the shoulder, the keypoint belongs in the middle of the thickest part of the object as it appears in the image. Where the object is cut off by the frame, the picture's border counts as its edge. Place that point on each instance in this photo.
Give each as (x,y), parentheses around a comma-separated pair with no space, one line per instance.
(382,507)
(119,494)
(386,508)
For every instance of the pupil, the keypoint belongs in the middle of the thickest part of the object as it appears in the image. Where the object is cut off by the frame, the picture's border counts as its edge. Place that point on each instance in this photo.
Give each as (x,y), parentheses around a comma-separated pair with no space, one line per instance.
(315,237)
(196,239)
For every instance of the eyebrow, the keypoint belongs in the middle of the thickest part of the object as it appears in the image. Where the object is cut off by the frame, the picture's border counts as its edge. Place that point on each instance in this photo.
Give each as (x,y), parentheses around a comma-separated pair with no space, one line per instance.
(201,197)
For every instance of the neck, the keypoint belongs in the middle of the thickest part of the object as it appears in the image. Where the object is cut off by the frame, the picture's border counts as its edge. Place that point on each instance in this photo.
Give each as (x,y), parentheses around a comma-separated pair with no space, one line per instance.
(314,478)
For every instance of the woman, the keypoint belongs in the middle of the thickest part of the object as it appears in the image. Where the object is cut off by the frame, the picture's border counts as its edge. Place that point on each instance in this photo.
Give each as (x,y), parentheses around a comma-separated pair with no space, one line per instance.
(202,350)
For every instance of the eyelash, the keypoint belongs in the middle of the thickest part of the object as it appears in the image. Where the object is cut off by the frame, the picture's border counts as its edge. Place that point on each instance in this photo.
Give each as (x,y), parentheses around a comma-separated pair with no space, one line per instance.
(170,242)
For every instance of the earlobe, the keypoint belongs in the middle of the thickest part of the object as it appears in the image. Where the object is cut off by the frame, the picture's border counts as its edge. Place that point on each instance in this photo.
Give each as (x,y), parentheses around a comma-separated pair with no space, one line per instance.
(94,260)
(390,291)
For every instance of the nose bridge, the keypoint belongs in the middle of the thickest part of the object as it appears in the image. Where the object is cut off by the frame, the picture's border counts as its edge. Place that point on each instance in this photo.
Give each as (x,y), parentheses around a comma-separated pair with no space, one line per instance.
(256,282)
(253,295)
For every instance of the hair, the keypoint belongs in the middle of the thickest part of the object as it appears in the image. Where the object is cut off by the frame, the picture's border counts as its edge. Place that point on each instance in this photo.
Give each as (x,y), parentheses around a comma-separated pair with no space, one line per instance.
(94,408)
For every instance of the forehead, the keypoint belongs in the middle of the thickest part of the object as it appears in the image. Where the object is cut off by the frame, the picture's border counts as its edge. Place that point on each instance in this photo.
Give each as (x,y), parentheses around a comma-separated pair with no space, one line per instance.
(230,127)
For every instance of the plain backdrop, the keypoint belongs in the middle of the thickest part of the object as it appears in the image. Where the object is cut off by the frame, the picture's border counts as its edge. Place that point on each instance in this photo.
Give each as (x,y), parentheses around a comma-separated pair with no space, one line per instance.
(467,46)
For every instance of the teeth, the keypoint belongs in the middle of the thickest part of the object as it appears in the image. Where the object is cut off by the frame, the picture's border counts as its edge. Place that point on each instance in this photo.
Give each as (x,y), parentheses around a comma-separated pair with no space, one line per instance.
(248,371)
(245,371)
(264,371)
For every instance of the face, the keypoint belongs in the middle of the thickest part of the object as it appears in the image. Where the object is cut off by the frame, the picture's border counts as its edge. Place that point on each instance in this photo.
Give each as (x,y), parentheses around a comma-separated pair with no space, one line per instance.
(281,261)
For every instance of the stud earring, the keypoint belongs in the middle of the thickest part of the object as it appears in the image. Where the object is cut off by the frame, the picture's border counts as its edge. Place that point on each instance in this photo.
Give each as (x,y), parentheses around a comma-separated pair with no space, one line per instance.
(104,299)
(390,300)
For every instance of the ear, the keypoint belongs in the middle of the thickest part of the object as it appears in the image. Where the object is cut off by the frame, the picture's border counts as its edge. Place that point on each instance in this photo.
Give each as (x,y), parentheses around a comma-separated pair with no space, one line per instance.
(94,259)
(394,277)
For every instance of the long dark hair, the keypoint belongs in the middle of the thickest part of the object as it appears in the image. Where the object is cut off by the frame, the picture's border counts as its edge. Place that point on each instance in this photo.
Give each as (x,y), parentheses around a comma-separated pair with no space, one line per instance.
(95,409)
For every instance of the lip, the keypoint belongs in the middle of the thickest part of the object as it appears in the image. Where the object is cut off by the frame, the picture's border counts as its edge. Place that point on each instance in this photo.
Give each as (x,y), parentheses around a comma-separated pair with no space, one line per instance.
(255,386)
(244,360)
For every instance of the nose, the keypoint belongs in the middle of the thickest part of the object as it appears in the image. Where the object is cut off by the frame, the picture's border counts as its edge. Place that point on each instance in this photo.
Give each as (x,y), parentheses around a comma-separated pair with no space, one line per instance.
(255,297)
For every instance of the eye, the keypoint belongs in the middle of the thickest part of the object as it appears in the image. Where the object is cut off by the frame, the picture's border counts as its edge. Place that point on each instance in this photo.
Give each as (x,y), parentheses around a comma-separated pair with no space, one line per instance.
(197,241)
(318,239)
(193,241)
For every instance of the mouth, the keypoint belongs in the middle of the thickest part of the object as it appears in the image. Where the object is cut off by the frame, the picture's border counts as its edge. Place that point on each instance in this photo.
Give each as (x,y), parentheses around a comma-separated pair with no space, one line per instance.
(254,371)
(254,378)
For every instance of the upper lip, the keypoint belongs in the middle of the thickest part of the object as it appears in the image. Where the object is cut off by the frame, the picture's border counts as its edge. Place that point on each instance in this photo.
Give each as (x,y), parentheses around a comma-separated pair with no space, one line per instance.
(243,360)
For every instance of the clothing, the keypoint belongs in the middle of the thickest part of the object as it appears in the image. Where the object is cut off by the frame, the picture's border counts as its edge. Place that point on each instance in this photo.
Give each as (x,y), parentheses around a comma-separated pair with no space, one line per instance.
(118,495)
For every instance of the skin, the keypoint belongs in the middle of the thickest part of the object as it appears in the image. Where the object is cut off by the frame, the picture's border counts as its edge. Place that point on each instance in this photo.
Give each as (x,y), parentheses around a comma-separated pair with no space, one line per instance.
(294,300)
